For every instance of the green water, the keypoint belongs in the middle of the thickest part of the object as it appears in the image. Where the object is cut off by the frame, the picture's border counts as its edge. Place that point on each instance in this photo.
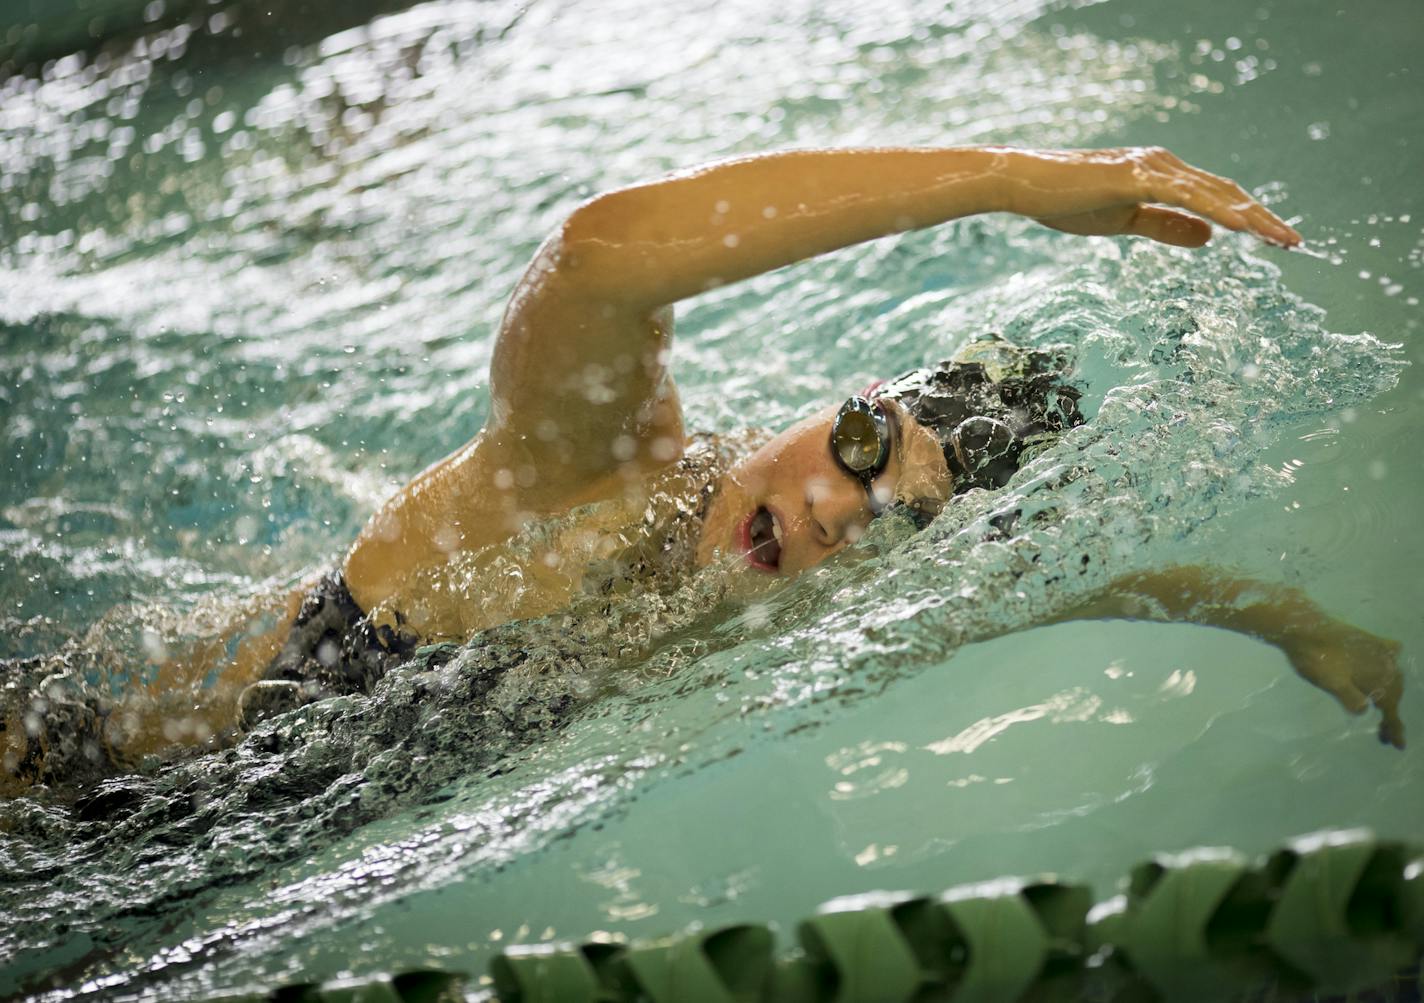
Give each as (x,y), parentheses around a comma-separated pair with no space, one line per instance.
(248,287)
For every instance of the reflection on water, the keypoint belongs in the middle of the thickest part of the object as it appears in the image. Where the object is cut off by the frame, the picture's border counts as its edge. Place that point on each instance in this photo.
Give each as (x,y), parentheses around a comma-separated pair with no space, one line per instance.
(246,289)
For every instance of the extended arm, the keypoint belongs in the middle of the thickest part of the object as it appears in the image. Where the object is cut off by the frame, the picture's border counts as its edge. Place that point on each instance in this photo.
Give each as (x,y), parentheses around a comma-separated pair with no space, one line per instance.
(660,242)
(579,376)
(1355,667)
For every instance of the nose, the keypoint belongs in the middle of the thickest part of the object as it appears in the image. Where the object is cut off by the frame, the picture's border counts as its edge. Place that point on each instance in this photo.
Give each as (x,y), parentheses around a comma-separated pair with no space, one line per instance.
(838,508)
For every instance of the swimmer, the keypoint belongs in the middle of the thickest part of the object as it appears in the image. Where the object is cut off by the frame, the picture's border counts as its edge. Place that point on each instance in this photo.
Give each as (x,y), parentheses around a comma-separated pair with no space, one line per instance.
(585,427)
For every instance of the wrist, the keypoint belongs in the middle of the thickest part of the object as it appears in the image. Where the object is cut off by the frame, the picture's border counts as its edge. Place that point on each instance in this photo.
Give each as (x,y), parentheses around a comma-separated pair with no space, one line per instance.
(1009,178)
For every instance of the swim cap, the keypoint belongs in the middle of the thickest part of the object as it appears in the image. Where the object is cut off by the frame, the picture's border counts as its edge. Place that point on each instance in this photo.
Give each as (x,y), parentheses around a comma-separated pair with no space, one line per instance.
(987,405)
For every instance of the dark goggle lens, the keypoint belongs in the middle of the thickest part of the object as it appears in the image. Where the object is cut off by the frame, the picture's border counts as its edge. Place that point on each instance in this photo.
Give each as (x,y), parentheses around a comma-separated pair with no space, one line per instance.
(860,438)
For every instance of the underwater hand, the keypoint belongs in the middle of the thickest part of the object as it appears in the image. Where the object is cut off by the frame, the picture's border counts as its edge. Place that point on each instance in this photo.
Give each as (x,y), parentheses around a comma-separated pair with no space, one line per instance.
(1111,192)
(1354,666)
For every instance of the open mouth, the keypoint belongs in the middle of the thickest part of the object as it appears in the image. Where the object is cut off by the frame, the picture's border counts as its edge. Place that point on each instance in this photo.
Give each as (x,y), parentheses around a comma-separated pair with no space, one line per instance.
(761,538)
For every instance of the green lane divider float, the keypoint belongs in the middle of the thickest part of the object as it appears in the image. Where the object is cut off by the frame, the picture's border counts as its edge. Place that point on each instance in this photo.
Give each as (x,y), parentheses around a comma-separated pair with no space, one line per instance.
(1336,912)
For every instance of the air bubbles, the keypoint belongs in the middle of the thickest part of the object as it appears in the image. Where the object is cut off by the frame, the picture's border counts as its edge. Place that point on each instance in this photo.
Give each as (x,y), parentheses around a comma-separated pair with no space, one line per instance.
(664,449)
(623,448)
(447,539)
(152,646)
(245,526)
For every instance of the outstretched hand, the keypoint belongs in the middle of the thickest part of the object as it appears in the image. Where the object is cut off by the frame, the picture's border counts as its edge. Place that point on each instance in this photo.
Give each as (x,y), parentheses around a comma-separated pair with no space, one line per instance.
(1357,668)
(1141,191)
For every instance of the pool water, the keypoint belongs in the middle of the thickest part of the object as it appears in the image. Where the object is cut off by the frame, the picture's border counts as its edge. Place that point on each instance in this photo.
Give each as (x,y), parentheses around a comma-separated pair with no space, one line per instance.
(249,278)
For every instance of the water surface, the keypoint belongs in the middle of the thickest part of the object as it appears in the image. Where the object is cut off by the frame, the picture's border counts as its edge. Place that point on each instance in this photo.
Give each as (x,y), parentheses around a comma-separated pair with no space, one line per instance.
(247,290)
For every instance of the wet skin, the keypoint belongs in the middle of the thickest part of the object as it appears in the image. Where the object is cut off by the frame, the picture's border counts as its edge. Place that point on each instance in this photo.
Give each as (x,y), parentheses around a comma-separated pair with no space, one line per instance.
(584,408)
(818,507)
(597,298)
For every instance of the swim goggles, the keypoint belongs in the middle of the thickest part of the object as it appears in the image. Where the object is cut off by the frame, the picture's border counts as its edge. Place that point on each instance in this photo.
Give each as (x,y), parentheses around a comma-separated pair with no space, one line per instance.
(860,444)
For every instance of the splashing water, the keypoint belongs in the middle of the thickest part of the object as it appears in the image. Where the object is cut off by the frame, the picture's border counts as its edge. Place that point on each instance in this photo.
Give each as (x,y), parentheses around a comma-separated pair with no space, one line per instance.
(238,314)
(1175,442)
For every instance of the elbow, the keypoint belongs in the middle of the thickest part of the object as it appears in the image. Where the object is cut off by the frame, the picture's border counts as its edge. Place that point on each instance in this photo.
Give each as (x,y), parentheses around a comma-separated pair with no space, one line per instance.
(576,253)
(599,247)
(612,220)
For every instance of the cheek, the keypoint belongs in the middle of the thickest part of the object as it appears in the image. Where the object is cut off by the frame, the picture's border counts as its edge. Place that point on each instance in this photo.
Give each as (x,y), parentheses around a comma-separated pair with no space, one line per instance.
(798,468)
(816,487)
(750,476)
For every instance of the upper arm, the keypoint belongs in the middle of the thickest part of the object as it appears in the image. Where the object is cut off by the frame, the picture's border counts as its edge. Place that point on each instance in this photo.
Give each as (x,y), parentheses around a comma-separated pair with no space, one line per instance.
(579,379)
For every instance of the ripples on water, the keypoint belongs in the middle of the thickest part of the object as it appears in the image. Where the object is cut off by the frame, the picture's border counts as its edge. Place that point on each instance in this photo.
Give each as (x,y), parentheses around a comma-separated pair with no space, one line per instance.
(242,299)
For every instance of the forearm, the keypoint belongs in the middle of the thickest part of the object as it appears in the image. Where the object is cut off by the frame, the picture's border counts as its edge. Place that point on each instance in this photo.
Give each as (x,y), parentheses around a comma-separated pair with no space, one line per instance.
(1354,666)
(1273,613)
(662,241)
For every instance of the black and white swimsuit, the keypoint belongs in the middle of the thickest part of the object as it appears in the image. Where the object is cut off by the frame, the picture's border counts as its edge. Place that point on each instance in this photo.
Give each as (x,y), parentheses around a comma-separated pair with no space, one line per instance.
(333,648)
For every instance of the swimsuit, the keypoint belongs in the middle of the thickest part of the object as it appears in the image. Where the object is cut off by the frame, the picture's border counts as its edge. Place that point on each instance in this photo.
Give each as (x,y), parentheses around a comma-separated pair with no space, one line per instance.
(332,649)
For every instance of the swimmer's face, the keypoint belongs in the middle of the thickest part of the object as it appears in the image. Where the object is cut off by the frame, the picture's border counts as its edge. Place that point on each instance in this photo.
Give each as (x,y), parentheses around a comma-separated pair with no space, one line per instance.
(790,505)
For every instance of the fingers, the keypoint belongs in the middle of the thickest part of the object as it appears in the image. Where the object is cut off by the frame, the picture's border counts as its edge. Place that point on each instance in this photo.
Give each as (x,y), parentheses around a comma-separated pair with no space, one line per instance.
(1221,200)
(1391,729)
(1168,226)
(1357,669)
(1258,219)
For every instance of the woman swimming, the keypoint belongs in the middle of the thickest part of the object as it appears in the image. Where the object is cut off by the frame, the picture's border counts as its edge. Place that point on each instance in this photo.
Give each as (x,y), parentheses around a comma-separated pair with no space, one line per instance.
(585,428)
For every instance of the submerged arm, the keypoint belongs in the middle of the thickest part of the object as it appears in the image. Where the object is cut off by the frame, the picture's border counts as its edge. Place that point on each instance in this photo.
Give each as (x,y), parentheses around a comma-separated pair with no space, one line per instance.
(1355,667)
(579,376)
